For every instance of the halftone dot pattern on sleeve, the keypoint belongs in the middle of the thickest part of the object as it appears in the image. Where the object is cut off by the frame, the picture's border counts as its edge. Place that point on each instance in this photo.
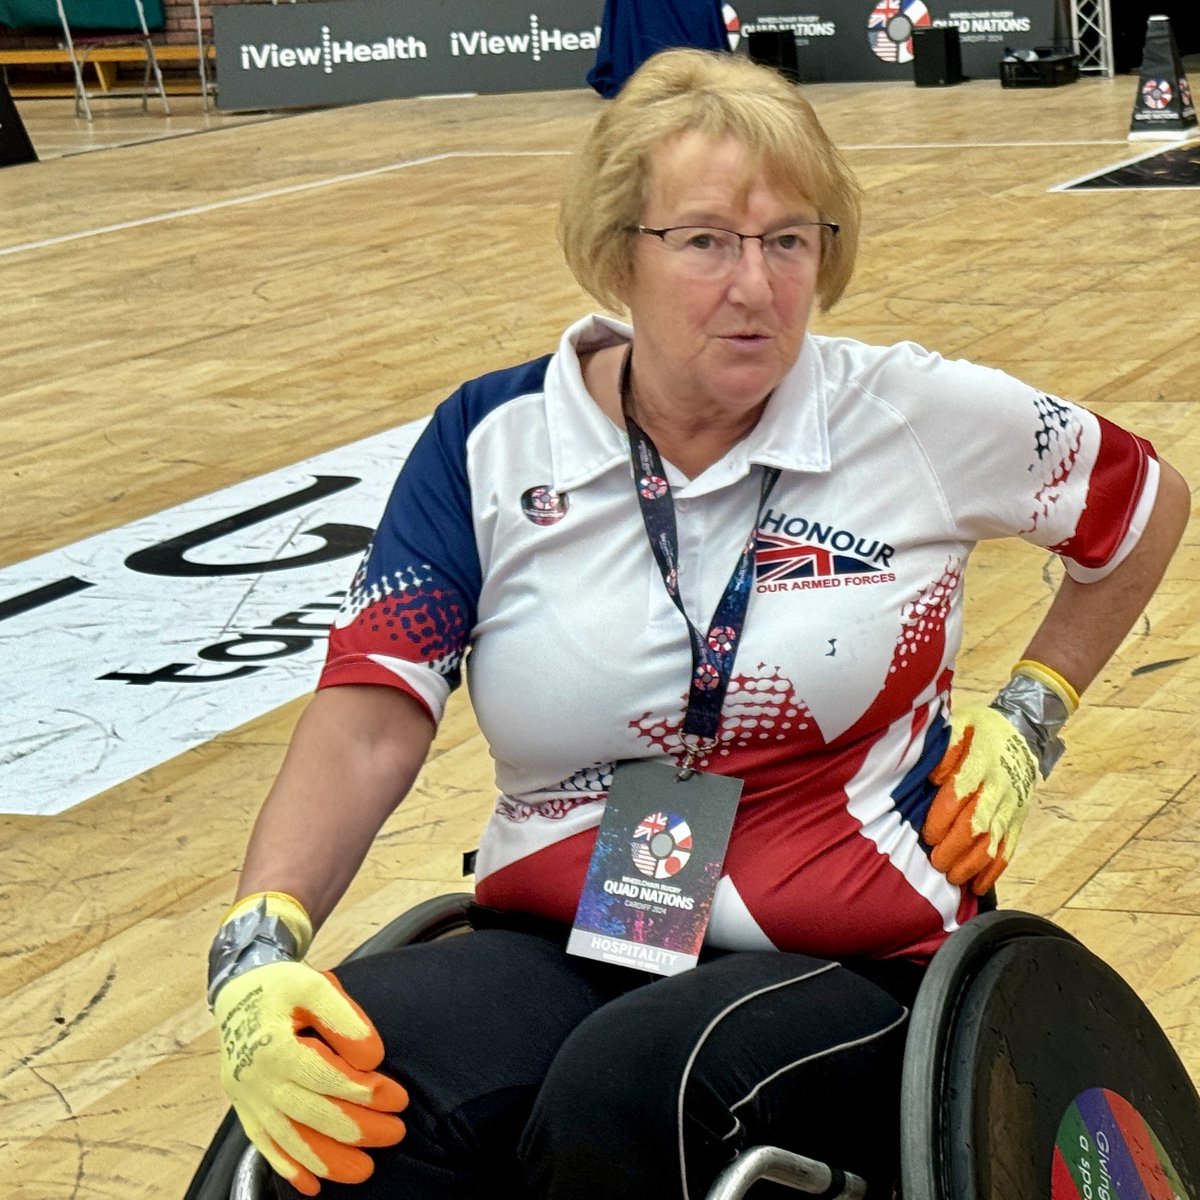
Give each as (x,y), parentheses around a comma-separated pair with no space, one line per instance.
(1057,443)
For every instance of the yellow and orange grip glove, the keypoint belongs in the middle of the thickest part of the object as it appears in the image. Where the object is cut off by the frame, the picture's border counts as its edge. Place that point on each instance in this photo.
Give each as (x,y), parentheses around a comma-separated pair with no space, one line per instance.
(297,1054)
(987,775)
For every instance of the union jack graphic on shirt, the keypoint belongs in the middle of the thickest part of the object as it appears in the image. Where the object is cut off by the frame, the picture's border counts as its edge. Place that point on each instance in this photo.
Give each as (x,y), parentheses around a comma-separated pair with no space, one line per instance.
(778,557)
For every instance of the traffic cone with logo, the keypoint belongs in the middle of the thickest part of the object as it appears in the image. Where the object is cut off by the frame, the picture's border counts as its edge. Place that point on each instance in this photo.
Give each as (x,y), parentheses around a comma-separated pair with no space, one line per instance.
(1163,108)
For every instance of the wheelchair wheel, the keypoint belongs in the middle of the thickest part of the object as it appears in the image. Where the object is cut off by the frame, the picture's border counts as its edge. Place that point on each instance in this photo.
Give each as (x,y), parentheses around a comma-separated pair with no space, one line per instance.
(1035,1071)
(230,1159)
(428,921)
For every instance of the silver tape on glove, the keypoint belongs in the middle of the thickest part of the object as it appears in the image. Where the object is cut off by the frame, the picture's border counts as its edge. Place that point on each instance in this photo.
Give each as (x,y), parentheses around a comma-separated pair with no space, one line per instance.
(1038,714)
(252,939)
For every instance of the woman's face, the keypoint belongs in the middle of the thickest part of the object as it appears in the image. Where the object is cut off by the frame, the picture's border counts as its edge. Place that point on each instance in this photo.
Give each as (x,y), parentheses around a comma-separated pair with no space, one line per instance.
(719,345)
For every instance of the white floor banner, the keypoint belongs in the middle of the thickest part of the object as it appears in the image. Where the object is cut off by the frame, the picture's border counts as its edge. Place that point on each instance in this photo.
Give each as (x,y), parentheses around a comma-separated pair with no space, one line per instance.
(130,647)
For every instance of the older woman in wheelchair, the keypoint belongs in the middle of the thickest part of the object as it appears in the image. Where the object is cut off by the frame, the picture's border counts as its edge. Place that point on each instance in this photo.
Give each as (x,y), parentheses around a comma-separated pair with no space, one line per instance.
(708,898)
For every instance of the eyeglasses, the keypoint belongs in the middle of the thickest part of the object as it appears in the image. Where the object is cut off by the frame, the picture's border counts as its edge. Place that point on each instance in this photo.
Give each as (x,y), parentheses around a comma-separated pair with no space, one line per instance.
(707,252)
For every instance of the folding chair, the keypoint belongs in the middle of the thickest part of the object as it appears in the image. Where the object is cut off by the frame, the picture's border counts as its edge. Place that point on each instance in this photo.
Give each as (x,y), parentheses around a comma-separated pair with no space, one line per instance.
(207,86)
(97,24)
(1032,1071)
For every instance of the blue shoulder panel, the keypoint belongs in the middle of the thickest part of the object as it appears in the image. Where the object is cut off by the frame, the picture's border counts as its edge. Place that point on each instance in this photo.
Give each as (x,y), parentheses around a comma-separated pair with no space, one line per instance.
(417,590)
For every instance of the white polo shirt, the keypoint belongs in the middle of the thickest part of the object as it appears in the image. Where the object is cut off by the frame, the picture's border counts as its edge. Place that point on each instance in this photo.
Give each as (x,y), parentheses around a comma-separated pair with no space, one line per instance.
(514,533)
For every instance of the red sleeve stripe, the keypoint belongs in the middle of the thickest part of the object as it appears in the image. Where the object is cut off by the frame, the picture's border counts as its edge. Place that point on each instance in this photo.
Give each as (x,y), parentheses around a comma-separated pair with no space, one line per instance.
(362,670)
(1114,489)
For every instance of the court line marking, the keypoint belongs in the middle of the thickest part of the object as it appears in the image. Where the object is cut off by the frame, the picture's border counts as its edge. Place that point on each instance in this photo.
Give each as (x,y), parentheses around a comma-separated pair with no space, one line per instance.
(155,139)
(1149,152)
(270,194)
(980,145)
(353,176)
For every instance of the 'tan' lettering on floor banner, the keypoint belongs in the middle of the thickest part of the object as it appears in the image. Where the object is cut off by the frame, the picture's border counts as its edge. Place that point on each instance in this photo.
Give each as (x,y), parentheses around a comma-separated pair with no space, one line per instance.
(128,648)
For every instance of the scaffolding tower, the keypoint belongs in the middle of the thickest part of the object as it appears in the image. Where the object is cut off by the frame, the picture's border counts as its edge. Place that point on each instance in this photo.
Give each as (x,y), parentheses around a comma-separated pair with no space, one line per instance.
(1091,35)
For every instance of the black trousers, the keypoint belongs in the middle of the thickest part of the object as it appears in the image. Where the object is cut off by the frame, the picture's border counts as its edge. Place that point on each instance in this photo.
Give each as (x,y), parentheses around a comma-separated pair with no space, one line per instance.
(540,1076)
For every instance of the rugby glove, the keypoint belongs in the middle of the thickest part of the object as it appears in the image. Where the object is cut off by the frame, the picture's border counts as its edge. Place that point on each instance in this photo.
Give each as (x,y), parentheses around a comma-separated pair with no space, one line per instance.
(987,775)
(297,1054)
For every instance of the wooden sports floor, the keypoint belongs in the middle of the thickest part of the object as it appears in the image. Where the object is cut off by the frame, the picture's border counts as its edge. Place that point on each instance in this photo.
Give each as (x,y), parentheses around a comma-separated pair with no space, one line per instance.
(189,312)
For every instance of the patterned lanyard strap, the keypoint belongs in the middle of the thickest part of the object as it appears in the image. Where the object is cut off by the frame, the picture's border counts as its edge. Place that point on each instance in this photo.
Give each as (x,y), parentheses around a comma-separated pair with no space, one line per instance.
(712,654)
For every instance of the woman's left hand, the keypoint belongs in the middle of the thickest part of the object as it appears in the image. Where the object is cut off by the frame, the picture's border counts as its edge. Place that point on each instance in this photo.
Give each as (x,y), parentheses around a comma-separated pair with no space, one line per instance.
(985,781)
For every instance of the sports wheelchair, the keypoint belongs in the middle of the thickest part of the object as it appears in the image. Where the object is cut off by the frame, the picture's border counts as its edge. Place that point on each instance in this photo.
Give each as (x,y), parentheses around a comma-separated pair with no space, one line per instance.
(1032,1072)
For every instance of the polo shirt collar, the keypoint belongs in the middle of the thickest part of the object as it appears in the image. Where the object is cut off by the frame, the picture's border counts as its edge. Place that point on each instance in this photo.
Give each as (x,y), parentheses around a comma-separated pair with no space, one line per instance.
(792,435)
(584,443)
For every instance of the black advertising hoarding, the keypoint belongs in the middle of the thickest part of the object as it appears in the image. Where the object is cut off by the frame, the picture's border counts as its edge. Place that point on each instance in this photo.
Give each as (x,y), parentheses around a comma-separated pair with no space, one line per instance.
(870,40)
(348,51)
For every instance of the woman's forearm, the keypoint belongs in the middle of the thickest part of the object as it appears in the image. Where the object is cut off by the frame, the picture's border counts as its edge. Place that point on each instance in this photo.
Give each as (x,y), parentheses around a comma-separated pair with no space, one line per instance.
(355,753)
(1088,621)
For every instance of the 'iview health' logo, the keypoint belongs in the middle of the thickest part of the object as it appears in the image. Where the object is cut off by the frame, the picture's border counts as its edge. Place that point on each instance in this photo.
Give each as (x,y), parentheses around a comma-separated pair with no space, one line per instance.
(332,52)
(535,43)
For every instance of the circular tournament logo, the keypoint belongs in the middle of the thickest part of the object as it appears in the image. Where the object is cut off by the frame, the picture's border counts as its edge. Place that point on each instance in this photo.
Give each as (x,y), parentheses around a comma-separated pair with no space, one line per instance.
(662,844)
(543,505)
(721,638)
(1157,93)
(1185,92)
(733,26)
(706,677)
(652,487)
(1105,1148)
(890,27)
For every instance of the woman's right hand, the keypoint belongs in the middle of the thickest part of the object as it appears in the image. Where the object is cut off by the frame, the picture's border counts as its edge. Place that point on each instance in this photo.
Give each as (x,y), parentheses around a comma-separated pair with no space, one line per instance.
(298,1056)
(297,1062)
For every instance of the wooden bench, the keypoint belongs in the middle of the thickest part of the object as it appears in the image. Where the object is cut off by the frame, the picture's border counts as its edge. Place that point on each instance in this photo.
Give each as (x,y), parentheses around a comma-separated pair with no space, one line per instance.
(103,60)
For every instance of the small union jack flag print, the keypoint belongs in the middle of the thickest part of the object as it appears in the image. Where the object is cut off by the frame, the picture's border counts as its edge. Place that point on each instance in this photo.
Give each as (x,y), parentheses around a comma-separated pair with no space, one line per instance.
(649,826)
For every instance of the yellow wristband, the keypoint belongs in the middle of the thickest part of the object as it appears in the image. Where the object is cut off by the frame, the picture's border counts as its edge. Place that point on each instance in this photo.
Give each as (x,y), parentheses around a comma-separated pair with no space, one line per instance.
(1050,678)
(286,908)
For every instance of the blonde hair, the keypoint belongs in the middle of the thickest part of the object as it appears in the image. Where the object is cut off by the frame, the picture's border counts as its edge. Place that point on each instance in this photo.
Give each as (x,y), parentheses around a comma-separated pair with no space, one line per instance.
(718,95)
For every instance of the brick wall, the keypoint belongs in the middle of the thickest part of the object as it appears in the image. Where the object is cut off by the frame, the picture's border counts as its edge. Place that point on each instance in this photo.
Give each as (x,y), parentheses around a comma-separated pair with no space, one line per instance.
(180,26)
(181,18)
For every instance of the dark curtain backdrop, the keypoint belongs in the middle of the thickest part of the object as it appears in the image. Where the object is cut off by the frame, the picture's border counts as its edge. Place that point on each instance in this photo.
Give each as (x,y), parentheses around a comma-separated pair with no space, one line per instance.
(1129,19)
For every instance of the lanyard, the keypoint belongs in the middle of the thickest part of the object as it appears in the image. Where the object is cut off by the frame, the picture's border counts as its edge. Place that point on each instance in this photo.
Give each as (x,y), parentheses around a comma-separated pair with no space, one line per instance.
(712,653)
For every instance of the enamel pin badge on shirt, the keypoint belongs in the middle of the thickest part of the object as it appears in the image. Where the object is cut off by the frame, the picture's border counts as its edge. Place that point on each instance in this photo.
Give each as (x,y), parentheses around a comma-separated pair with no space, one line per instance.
(649,889)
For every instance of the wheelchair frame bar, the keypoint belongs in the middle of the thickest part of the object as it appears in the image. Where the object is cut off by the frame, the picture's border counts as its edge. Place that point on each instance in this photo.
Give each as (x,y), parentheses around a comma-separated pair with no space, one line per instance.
(782,1166)
(249,1180)
(759,1162)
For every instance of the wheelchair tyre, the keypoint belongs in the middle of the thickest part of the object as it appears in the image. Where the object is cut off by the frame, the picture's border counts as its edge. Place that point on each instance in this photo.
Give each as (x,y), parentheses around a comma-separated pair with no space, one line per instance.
(1037,1071)
(935,1016)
